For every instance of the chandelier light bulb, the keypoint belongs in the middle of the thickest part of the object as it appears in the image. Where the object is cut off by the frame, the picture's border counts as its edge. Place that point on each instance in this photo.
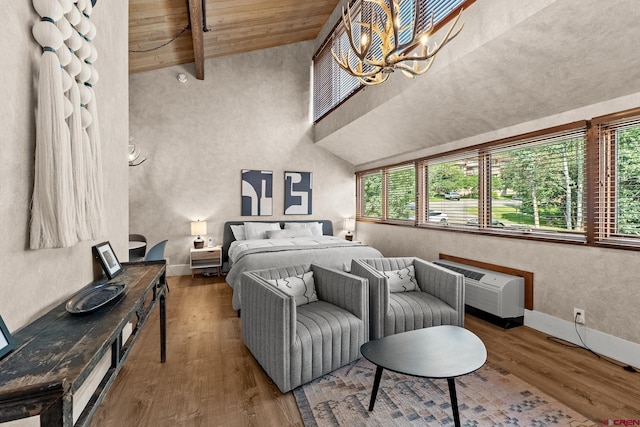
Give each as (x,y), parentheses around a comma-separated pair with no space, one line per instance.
(363,40)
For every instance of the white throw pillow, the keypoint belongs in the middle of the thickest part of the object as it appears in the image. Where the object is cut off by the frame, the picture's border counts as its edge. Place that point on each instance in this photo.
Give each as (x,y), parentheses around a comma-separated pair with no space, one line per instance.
(238,232)
(302,287)
(315,227)
(258,230)
(403,280)
(288,234)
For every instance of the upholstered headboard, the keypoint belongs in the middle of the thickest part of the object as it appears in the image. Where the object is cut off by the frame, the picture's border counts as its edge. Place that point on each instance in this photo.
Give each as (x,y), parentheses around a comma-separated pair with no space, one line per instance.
(227,236)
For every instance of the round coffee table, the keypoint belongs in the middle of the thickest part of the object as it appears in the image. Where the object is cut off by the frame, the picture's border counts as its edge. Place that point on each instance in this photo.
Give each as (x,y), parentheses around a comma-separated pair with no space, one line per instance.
(435,352)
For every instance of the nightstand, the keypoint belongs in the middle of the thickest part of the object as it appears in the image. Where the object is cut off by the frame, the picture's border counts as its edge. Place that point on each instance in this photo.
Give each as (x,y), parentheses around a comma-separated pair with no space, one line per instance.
(205,258)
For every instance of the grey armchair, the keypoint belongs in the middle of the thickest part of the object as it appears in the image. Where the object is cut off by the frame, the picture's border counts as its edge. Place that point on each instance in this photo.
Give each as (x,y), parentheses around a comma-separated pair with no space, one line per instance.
(296,344)
(440,300)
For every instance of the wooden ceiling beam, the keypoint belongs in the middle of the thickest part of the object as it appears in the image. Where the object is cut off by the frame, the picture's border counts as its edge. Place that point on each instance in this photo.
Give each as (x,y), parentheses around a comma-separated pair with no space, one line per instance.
(236,26)
(196,20)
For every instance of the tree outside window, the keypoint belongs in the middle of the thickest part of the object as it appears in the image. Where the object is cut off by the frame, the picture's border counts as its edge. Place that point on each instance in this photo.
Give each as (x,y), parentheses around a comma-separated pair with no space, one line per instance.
(628,181)
(453,192)
(544,184)
(533,185)
(372,195)
(401,185)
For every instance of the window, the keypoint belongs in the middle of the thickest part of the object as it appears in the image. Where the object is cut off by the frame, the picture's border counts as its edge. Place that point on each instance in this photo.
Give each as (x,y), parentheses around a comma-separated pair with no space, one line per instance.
(401,187)
(616,181)
(370,195)
(332,85)
(538,184)
(388,194)
(628,181)
(529,186)
(453,191)
(575,183)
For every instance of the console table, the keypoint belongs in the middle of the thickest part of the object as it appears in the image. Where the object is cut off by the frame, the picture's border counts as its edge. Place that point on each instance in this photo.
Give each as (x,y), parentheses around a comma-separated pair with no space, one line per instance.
(64,364)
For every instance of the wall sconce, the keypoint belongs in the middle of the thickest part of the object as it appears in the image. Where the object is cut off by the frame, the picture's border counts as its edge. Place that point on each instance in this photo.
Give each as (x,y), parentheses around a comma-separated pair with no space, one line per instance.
(349,225)
(198,228)
(134,155)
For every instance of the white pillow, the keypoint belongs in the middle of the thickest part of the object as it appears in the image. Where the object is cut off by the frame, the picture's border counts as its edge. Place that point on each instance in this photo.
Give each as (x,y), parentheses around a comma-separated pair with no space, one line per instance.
(403,280)
(238,232)
(315,227)
(302,287)
(288,234)
(258,230)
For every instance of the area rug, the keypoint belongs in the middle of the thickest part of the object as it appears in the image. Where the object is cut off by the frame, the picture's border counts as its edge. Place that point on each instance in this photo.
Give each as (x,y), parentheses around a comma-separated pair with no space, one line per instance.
(488,397)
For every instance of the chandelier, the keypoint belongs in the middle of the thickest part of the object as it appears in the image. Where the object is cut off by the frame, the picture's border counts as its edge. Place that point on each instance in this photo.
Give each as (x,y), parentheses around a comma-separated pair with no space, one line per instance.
(373,66)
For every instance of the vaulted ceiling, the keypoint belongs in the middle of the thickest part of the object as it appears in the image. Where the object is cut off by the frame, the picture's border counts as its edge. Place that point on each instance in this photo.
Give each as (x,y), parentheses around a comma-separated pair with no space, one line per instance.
(230,26)
(514,63)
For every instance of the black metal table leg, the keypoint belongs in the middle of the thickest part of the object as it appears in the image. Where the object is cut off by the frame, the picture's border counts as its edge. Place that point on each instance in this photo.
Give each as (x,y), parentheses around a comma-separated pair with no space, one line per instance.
(163,328)
(454,401)
(376,384)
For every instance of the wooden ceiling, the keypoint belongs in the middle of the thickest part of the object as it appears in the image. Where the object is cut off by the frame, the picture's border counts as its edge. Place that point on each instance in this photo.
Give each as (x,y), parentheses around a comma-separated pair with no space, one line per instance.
(234,26)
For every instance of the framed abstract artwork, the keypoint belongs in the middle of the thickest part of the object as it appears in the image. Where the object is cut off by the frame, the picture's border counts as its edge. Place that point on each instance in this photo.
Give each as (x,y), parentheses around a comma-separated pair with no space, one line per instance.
(298,188)
(257,193)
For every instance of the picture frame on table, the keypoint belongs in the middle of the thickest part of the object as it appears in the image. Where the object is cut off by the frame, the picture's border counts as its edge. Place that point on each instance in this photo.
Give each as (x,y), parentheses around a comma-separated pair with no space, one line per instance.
(107,258)
(7,343)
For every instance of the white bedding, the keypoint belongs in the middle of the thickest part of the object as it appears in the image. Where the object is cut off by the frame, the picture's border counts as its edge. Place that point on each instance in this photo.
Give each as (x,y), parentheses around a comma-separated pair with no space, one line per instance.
(329,251)
(239,247)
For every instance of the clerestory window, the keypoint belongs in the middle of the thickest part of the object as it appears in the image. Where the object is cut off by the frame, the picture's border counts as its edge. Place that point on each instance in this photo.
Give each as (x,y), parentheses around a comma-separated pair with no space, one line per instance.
(331,84)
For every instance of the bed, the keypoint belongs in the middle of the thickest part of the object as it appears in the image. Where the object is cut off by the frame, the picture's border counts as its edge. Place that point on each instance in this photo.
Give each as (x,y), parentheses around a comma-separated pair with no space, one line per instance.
(281,248)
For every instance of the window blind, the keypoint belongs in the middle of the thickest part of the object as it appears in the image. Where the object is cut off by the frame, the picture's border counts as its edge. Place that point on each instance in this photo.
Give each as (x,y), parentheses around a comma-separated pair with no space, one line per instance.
(616,182)
(332,85)
(453,189)
(576,183)
(538,185)
(369,196)
(401,190)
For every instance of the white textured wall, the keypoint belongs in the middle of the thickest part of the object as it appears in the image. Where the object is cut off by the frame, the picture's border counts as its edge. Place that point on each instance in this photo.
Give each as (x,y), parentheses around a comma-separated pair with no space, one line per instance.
(250,112)
(603,282)
(33,281)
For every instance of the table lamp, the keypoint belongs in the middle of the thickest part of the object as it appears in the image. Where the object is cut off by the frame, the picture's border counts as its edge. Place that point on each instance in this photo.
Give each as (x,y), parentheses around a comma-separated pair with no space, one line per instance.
(198,228)
(349,225)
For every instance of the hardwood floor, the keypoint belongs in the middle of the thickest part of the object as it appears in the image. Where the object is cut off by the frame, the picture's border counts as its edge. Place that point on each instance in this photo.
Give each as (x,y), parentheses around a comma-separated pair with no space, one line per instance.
(211,379)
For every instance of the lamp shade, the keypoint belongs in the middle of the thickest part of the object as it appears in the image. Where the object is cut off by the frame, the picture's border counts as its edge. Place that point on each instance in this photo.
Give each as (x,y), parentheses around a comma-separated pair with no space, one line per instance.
(350,224)
(198,228)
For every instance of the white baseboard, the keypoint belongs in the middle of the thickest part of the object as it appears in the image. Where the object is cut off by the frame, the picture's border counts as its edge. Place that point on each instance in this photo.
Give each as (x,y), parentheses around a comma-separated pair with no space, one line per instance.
(178,270)
(627,352)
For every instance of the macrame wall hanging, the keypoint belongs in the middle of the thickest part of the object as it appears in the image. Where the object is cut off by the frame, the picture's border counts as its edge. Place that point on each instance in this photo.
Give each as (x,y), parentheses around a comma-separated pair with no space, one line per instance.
(67,205)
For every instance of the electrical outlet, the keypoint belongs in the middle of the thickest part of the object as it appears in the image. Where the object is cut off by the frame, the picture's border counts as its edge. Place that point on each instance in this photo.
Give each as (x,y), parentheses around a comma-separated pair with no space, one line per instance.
(579,316)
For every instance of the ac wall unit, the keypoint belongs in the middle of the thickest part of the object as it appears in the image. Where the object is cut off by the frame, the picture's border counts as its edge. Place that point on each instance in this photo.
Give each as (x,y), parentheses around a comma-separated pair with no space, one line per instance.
(499,295)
